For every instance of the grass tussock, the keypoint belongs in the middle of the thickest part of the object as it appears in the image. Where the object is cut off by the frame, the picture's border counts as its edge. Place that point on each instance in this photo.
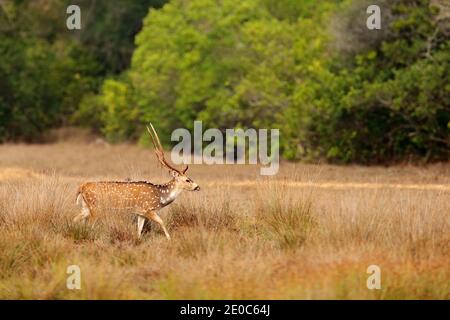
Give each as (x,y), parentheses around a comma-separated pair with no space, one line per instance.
(285,218)
(232,240)
(210,215)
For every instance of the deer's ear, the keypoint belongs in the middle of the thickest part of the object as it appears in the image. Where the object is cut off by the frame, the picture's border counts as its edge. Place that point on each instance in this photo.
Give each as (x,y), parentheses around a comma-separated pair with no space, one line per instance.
(174,173)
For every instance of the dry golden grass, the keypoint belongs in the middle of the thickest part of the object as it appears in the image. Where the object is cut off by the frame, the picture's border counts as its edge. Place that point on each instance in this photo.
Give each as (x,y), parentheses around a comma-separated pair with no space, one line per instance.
(308,233)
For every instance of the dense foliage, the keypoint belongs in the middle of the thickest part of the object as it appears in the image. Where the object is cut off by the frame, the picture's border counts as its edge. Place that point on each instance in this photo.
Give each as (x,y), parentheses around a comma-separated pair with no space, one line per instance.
(45,70)
(311,68)
(393,101)
(251,64)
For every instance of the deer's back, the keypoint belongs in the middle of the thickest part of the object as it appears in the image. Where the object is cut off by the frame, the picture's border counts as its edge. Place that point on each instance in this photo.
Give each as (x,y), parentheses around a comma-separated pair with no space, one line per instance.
(127,195)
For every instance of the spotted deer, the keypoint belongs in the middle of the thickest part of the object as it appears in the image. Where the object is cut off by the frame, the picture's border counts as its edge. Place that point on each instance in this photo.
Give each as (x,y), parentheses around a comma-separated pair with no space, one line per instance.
(143,198)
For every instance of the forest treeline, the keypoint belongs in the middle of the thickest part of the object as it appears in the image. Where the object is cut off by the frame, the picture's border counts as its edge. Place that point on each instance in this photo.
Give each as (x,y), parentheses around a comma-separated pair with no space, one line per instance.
(337,90)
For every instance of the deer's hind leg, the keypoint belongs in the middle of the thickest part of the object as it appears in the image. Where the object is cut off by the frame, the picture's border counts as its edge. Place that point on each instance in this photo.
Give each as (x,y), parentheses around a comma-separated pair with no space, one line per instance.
(85,210)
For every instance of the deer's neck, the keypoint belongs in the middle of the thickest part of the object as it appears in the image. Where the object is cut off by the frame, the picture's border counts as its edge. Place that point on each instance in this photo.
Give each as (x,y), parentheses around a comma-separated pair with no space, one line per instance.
(168,192)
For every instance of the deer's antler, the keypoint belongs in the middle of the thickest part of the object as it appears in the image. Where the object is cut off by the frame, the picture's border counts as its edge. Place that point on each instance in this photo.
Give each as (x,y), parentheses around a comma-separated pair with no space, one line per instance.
(159,151)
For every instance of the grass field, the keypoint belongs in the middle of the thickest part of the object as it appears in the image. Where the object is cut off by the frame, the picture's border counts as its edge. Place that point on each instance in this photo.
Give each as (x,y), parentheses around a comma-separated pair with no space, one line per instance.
(309,232)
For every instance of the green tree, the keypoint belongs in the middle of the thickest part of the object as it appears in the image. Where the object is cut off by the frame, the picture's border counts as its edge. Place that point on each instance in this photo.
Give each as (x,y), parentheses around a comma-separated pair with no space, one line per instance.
(109,28)
(227,63)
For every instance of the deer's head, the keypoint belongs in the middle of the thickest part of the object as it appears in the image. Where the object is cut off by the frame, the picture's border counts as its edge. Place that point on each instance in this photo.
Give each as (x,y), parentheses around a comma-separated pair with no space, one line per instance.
(182,181)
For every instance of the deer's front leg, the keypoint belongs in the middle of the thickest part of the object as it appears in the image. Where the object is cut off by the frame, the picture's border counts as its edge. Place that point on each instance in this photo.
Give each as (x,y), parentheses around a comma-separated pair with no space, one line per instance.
(154,216)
